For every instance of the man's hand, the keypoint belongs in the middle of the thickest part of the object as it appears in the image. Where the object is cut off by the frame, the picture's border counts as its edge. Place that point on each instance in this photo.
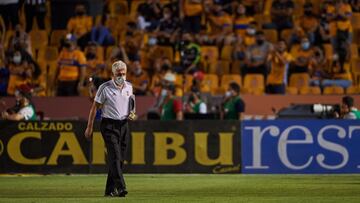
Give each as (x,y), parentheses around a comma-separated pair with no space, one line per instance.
(132,116)
(88,133)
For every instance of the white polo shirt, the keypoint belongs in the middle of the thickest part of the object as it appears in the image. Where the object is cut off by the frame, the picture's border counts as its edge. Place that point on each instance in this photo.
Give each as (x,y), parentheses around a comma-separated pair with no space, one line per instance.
(115,101)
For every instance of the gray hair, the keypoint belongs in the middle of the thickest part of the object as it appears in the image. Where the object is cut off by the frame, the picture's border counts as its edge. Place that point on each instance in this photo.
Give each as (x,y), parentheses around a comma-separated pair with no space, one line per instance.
(118,65)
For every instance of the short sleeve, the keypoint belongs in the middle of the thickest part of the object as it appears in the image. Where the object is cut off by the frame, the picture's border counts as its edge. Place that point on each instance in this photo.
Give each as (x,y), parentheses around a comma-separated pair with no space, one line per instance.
(240,106)
(100,95)
(26,112)
(177,106)
(81,59)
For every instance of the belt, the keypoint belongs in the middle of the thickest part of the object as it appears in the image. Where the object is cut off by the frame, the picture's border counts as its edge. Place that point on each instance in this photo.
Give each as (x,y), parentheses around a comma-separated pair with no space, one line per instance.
(109,120)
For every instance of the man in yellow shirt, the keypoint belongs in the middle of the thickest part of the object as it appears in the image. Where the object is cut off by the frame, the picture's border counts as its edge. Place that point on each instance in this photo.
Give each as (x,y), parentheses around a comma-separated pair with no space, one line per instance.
(71,70)
(190,13)
(80,25)
(279,61)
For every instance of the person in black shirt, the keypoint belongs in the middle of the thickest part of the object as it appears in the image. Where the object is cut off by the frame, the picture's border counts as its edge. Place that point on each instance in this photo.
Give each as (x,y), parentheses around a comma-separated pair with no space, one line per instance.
(281,12)
(168,28)
(151,12)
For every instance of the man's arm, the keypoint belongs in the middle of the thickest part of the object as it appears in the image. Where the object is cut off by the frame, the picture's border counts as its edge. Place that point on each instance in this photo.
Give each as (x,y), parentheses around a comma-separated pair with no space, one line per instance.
(13,117)
(90,124)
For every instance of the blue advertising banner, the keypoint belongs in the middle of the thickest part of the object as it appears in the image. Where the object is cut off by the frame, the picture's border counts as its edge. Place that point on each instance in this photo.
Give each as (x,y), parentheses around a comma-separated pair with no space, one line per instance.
(300,146)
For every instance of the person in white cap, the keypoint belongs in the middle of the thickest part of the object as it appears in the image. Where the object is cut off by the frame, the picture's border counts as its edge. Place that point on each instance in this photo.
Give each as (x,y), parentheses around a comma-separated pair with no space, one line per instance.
(115,98)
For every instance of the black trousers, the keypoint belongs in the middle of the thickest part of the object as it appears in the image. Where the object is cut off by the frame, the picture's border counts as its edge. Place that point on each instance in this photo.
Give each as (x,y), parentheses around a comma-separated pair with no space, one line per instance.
(67,88)
(38,11)
(9,13)
(116,136)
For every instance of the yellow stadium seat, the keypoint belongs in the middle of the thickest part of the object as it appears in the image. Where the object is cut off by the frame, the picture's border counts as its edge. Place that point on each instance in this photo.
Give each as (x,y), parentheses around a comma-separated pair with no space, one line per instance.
(354,51)
(226,52)
(285,34)
(329,52)
(355,70)
(210,83)
(179,80)
(39,38)
(299,80)
(333,90)
(355,21)
(353,90)
(292,90)
(209,53)
(108,52)
(235,67)
(188,82)
(229,78)
(134,7)
(56,37)
(254,83)
(118,7)
(271,35)
(48,54)
(224,67)
(310,91)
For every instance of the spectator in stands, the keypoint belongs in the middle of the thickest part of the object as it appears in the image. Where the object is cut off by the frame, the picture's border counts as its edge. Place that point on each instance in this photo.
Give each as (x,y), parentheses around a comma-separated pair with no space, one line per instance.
(196,85)
(355,5)
(309,23)
(174,6)
(221,24)
(281,13)
(195,104)
(71,69)
(80,25)
(190,55)
(279,63)
(19,63)
(9,10)
(250,34)
(341,32)
(26,110)
(241,20)
(139,79)
(35,9)
(149,15)
(171,108)
(95,66)
(133,41)
(319,67)
(253,6)
(20,40)
(339,75)
(119,53)
(168,28)
(233,106)
(101,34)
(256,56)
(302,58)
(348,111)
(159,69)
(190,14)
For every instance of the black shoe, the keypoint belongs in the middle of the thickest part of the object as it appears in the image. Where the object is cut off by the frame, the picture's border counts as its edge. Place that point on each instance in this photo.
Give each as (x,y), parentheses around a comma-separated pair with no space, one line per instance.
(122,192)
(114,193)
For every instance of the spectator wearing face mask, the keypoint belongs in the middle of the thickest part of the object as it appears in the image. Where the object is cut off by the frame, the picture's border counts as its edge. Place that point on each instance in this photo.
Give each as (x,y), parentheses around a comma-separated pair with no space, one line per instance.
(302,57)
(279,60)
(20,40)
(71,70)
(168,28)
(101,34)
(249,38)
(309,23)
(221,24)
(233,106)
(139,79)
(171,108)
(80,25)
(241,21)
(256,56)
(348,110)
(26,110)
(19,67)
(95,67)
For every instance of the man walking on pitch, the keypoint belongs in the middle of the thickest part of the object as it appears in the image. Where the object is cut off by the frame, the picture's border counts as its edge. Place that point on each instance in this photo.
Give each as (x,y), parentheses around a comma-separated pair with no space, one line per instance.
(116,99)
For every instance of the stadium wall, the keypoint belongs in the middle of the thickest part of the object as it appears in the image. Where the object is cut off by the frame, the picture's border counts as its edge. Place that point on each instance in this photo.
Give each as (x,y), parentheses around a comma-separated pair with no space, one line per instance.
(78,107)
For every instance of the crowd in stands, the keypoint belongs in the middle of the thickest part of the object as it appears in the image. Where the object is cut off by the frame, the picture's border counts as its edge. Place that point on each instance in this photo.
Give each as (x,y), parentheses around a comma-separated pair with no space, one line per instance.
(186,47)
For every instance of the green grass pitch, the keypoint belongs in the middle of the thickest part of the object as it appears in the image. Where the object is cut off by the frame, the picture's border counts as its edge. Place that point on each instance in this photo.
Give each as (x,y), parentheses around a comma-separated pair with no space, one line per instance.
(184,188)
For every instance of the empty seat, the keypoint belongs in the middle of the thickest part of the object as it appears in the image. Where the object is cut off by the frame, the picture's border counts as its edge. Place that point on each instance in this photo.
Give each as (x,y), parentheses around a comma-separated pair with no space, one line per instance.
(254,83)
(56,37)
(299,80)
(333,90)
(210,83)
(310,91)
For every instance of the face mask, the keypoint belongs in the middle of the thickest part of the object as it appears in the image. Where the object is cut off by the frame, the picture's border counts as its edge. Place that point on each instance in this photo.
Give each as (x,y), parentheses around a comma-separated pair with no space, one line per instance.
(250,31)
(119,80)
(17,59)
(305,45)
(228,94)
(163,92)
(152,41)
